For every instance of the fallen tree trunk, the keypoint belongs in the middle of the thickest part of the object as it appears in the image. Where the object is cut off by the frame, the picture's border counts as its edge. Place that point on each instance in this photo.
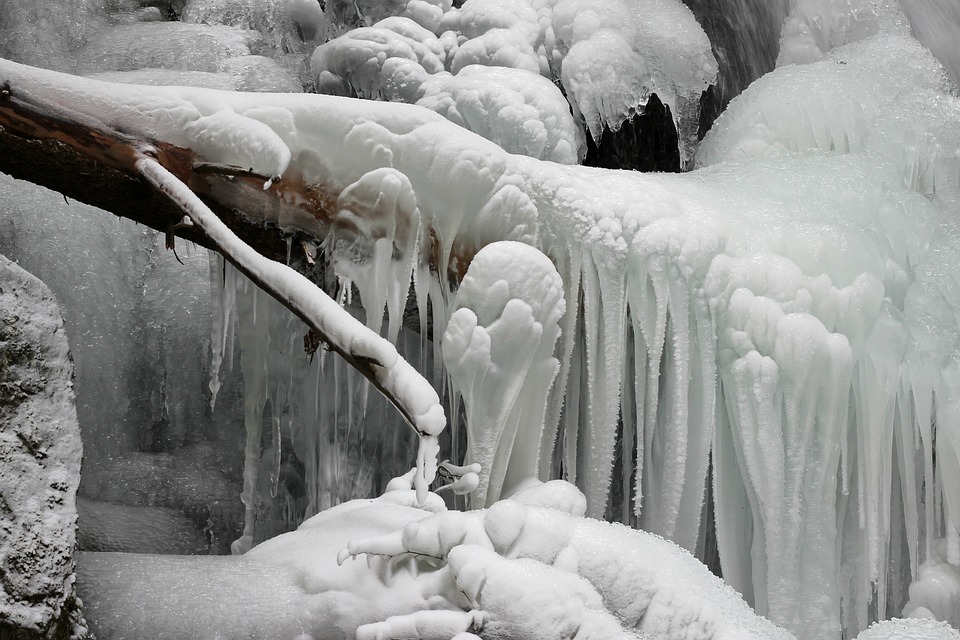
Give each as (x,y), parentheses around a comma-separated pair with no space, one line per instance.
(62,167)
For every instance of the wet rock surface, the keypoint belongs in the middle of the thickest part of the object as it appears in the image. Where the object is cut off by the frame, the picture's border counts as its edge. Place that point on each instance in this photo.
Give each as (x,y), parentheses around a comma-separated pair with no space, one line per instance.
(40,454)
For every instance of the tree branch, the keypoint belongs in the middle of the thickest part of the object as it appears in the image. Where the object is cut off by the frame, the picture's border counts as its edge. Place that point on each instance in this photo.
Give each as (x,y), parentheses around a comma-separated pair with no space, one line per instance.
(153,182)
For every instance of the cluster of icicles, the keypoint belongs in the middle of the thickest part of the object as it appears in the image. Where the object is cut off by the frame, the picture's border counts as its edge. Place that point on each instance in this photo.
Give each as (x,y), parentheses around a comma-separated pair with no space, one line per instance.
(773,331)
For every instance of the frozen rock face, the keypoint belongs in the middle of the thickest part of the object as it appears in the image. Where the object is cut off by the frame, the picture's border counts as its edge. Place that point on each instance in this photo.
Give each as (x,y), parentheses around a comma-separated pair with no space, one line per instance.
(40,454)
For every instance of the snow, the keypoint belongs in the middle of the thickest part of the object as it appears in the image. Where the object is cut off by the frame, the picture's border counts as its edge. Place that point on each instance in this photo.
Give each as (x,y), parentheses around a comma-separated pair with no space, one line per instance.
(498,350)
(41,451)
(935,593)
(523,113)
(787,311)
(608,60)
(909,629)
(167,45)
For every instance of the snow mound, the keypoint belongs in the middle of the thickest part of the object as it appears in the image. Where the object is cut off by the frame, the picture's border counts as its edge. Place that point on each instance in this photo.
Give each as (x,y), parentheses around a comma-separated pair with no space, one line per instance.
(910,629)
(831,105)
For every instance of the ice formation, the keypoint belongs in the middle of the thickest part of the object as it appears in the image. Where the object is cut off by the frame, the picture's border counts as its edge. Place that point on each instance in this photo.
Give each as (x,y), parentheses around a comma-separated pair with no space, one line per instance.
(607,59)
(776,310)
(409,392)
(786,313)
(498,349)
(935,594)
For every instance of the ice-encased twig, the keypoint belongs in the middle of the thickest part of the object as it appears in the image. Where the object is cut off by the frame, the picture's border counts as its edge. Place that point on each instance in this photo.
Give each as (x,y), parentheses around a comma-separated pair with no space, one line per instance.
(370,354)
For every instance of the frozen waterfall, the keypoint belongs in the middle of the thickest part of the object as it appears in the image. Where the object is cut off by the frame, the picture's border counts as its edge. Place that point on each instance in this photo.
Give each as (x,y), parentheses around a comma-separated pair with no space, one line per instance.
(758,359)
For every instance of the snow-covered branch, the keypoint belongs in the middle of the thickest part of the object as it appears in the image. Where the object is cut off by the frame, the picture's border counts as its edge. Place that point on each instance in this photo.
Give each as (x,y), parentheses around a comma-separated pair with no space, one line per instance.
(371,355)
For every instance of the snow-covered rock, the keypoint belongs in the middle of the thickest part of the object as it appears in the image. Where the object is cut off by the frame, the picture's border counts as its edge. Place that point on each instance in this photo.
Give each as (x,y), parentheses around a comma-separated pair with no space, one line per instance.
(40,453)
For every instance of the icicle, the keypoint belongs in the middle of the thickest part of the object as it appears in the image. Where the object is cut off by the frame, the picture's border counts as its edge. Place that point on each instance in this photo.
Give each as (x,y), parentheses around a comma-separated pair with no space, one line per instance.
(647,294)
(628,416)
(219,321)
(564,392)
(604,315)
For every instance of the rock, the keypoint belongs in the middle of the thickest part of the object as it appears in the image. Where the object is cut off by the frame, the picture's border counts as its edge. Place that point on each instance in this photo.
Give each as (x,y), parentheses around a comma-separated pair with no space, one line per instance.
(40,454)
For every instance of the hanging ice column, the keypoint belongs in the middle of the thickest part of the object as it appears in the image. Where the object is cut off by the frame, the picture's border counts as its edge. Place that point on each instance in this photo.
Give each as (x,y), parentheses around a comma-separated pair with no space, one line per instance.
(498,349)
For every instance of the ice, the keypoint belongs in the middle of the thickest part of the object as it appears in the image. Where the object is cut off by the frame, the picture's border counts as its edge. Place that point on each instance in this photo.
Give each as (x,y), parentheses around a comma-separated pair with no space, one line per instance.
(935,593)
(367,12)
(909,629)
(831,105)
(288,25)
(359,57)
(309,401)
(44,34)
(166,77)
(165,45)
(520,111)
(141,356)
(786,312)
(936,23)
(498,349)
(607,59)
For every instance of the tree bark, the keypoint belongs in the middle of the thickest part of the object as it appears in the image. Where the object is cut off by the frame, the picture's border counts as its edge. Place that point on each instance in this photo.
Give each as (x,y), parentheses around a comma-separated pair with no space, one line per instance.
(61,167)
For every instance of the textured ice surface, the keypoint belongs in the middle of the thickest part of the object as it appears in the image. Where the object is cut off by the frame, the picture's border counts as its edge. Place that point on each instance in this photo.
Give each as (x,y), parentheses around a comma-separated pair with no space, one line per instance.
(936,23)
(44,33)
(104,526)
(910,629)
(498,349)
(816,27)
(608,59)
(287,26)
(776,310)
(165,45)
(243,73)
(833,105)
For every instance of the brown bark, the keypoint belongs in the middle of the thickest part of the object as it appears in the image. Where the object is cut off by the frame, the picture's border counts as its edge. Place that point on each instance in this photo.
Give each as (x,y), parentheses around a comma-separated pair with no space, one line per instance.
(49,148)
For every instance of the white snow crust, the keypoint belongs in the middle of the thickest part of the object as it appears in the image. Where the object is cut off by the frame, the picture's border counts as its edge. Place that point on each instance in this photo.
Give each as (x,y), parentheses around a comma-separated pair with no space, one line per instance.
(498,349)
(608,59)
(910,629)
(787,312)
